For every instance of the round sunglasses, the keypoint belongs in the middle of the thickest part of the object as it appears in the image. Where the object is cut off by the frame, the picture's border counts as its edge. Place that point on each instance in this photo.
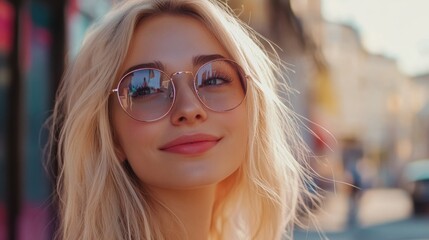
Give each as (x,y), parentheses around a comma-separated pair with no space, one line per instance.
(148,94)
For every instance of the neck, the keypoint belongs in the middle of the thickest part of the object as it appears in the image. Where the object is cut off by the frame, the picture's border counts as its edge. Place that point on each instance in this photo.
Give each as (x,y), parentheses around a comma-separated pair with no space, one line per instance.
(192,208)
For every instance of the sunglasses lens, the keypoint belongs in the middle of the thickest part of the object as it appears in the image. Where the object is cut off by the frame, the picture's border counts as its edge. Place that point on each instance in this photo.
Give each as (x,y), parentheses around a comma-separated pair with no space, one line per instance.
(221,85)
(146,94)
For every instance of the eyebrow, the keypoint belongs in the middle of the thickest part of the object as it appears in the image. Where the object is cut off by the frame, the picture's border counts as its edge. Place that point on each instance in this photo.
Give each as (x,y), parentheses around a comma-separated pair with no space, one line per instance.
(196,61)
(201,59)
(156,64)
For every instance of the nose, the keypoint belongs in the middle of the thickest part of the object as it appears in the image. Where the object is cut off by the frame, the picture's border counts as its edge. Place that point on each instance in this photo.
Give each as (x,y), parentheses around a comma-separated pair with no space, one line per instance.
(187,109)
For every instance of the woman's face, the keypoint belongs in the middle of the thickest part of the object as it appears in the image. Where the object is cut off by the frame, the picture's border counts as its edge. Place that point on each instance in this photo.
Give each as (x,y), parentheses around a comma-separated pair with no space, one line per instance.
(192,146)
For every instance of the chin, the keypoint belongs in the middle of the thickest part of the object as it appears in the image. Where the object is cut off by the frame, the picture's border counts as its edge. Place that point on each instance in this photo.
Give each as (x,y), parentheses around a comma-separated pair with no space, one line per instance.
(201,180)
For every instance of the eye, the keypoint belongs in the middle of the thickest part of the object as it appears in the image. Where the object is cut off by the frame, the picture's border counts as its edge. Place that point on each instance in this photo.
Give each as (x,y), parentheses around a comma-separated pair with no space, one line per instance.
(215,81)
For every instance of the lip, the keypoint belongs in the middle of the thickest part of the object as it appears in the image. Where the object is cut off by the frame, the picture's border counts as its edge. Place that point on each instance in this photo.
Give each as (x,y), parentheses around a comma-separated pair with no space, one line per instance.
(191,144)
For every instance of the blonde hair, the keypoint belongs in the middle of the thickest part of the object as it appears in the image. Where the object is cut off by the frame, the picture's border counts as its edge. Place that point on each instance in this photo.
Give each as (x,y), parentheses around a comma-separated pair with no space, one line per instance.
(100,198)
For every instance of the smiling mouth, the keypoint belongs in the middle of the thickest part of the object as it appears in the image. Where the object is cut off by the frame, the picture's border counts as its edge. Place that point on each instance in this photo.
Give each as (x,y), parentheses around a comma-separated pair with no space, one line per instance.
(191,144)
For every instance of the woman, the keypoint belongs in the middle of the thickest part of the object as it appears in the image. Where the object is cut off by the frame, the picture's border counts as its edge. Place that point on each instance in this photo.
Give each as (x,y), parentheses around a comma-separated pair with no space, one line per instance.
(168,126)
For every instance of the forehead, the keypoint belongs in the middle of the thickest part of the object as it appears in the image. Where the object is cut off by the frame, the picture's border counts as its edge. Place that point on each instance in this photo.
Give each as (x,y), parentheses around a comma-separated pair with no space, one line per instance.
(174,40)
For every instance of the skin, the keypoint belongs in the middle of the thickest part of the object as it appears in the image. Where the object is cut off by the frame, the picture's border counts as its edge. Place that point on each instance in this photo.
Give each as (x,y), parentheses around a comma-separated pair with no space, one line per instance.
(186,183)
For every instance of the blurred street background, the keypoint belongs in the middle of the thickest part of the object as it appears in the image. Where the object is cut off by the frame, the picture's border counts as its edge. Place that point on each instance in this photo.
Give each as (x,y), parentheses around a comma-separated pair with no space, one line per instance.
(361,73)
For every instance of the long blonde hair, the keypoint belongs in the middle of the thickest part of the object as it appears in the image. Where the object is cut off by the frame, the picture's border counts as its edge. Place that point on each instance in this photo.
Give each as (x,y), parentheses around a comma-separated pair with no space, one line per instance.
(99,196)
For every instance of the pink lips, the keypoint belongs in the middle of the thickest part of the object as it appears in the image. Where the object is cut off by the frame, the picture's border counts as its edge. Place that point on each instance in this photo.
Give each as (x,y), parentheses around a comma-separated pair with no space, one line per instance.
(191,144)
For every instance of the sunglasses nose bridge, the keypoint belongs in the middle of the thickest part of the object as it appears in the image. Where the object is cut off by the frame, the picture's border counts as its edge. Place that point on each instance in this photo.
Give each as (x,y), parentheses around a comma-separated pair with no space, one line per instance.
(181,77)
(176,74)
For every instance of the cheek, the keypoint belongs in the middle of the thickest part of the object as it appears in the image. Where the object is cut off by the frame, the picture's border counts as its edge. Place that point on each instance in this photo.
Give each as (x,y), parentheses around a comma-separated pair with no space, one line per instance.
(138,143)
(132,136)
(237,125)
(239,122)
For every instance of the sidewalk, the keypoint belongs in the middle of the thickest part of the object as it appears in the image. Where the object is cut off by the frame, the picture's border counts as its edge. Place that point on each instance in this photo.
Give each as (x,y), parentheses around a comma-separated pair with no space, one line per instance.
(380,214)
